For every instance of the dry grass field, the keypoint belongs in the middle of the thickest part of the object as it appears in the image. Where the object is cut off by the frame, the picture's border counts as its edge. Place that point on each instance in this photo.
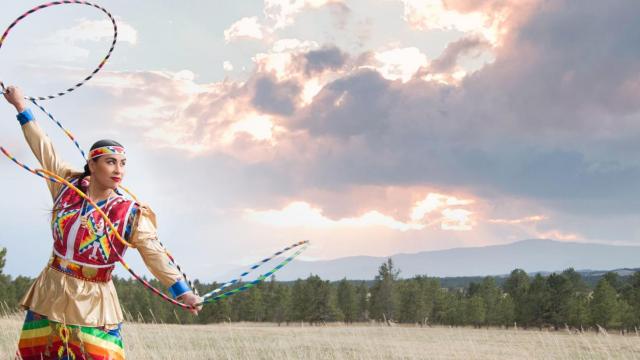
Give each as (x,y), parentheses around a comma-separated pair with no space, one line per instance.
(268,341)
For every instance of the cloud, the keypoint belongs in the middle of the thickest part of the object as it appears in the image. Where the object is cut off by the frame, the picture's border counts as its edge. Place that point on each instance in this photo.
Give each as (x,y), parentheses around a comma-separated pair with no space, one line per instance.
(435,201)
(245,28)
(558,235)
(302,214)
(96,30)
(279,14)
(305,63)
(282,59)
(166,106)
(409,63)
(171,110)
(326,58)
(450,215)
(490,19)
(528,219)
(446,69)
(273,97)
(457,219)
(398,64)
(447,61)
(434,14)
(66,45)
(533,123)
(231,117)
(341,13)
(259,126)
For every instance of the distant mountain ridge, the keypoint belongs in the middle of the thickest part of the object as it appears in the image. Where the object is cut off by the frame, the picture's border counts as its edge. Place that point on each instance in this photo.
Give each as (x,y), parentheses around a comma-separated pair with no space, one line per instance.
(534,255)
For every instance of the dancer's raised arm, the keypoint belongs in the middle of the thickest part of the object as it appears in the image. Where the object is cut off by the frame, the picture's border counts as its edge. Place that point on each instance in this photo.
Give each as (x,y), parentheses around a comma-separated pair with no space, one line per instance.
(38,141)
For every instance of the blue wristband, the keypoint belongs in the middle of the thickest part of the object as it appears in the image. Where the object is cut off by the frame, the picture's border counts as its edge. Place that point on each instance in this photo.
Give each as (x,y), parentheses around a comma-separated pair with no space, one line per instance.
(180,287)
(25,116)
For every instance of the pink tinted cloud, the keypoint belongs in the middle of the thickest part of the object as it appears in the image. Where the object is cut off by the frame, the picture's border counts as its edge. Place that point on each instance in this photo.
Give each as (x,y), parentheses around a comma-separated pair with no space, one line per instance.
(397,208)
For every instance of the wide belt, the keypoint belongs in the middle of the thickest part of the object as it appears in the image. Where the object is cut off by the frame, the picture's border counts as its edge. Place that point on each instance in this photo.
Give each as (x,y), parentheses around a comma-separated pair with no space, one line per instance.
(84,272)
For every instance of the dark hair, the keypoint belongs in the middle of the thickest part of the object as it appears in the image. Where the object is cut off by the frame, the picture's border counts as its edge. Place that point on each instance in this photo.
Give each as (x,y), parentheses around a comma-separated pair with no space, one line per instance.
(87,171)
(105,142)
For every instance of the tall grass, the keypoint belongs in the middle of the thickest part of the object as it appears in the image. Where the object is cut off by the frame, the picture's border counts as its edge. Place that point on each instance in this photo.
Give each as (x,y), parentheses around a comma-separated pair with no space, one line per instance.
(337,341)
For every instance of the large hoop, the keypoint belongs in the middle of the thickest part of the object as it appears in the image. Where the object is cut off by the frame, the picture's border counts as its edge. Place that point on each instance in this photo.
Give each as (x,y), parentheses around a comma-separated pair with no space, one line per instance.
(54,3)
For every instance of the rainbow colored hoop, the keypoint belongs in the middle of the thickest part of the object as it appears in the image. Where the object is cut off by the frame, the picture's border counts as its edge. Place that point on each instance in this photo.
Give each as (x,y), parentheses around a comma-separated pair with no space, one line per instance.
(253,267)
(54,3)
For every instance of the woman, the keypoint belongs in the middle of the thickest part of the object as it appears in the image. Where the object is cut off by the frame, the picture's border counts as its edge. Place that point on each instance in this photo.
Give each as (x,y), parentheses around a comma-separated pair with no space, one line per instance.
(72,308)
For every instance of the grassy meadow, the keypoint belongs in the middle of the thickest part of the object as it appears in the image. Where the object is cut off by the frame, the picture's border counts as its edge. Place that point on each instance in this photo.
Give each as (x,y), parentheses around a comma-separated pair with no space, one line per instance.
(336,341)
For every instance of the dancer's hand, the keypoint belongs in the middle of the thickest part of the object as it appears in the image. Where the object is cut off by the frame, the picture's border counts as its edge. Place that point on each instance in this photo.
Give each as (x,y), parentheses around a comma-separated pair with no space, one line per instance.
(190,298)
(15,97)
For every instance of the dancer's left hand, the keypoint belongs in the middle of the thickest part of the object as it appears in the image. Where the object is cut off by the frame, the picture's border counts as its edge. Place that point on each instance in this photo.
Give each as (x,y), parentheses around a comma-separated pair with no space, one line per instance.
(190,298)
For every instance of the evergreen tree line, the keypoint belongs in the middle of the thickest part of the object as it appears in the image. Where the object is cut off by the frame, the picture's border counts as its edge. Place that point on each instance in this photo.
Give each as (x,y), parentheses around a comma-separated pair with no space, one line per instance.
(558,300)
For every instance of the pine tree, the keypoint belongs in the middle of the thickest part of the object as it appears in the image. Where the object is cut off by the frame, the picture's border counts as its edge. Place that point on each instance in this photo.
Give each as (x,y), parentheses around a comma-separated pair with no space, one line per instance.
(429,290)
(276,301)
(383,298)
(476,311)
(517,286)
(631,295)
(505,310)
(280,304)
(579,315)
(321,306)
(578,285)
(253,306)
(604,304)
(560,295)
(490,293)
(410,301)
(443,302)
(7,291)
(347,301)
(625,311)
(537,302)
(614,280)
(452,309)
(3,254)
(362,301)
(576,312)
(299,301)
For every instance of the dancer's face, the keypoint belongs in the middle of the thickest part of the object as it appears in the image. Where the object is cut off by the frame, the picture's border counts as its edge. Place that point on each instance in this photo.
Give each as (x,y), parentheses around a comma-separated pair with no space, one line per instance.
(108,170)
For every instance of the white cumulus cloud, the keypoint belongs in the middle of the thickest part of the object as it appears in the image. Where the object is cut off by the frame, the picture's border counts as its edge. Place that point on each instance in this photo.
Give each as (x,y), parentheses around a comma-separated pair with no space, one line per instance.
(245,28)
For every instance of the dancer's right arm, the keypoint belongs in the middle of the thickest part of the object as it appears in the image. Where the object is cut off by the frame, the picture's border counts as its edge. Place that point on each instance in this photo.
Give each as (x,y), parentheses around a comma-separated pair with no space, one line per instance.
(38,141)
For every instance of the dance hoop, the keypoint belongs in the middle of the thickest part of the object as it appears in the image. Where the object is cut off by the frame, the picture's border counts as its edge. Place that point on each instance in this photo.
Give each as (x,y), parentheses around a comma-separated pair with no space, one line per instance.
(54,3)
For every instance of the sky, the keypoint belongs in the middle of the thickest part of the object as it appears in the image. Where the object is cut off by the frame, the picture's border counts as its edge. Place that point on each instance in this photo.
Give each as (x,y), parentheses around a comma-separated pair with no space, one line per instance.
(367,127)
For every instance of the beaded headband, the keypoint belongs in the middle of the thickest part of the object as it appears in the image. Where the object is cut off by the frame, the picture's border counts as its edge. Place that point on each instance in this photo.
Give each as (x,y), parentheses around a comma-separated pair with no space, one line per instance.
(106,150)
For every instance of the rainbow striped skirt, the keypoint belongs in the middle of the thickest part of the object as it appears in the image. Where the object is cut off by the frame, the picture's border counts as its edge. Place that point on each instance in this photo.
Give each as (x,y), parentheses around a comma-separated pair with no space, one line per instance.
(45,339)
